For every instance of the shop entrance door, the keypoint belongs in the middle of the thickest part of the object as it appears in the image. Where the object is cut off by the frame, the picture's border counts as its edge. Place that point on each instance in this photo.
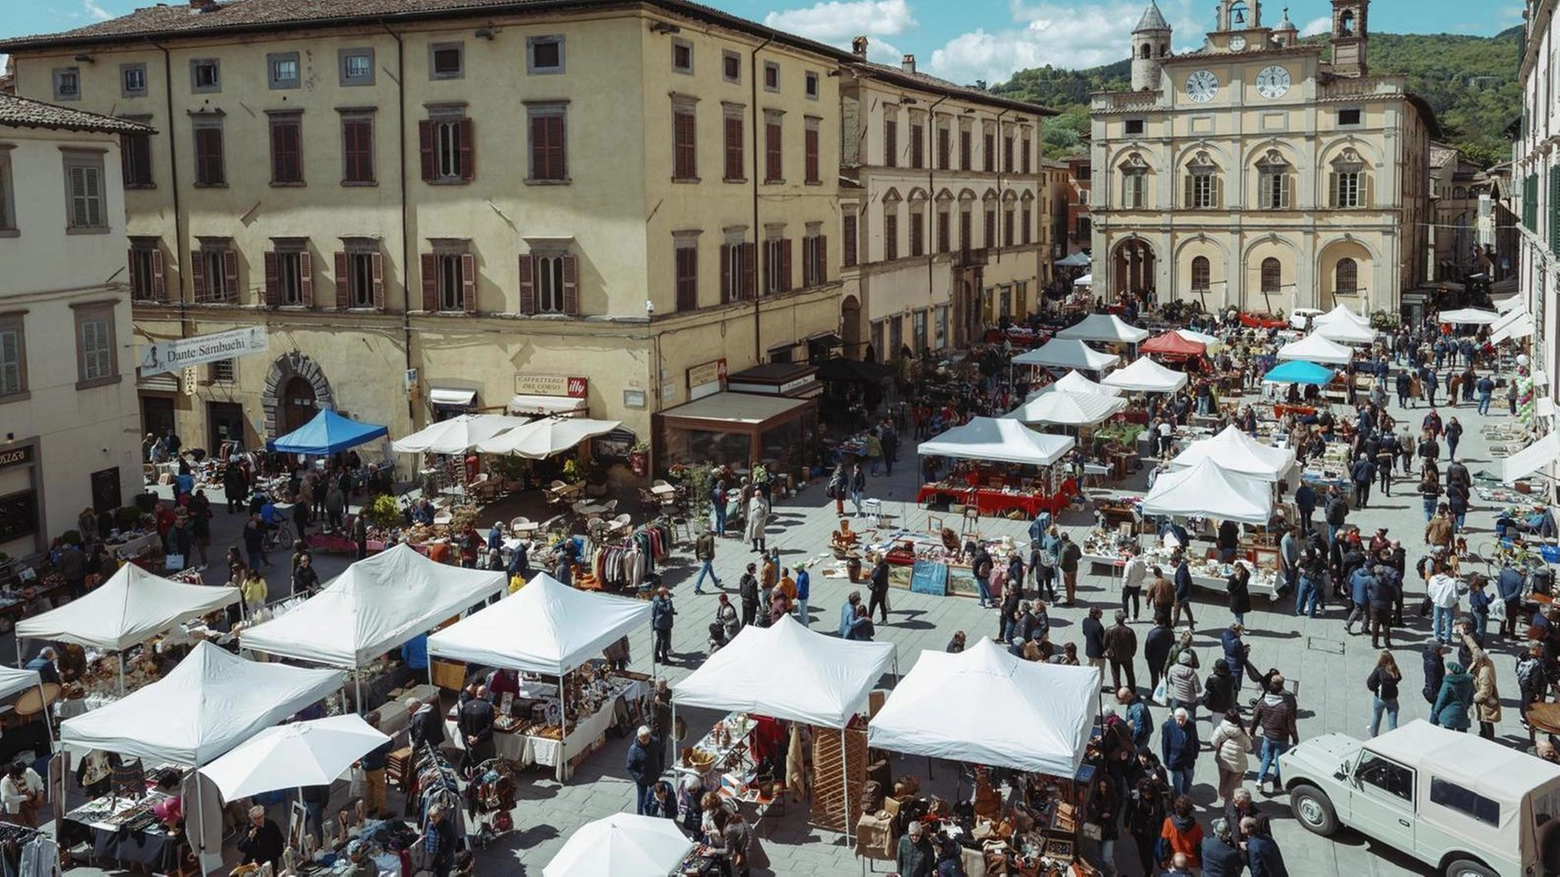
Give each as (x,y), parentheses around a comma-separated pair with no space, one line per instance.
(157,415)
(227,424)
(297,406)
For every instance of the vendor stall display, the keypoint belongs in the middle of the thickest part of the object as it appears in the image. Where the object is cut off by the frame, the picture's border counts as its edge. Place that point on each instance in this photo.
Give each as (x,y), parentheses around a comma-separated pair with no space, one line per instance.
(993,491)
(939,563)
(529,729)
(127,828)
(1108,547)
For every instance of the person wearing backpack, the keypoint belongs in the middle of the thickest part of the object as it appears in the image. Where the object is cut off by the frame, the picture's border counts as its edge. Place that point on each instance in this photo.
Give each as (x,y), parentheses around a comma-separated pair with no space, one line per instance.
(1337,511)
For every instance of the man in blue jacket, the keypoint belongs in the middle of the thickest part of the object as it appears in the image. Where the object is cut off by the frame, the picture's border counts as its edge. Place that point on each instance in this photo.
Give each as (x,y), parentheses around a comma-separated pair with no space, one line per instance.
(1183,592)
(1178,746)
(644,766)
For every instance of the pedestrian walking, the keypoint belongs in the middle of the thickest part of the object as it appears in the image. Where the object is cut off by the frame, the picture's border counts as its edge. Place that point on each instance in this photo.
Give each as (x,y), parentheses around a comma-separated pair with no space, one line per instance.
(645,764)
(1232,747)
(1274,717)
(1121,647)
(747,590)
(1383,684)
(757,518)
(661,614)
(878,590)
(858,486)
(704,552)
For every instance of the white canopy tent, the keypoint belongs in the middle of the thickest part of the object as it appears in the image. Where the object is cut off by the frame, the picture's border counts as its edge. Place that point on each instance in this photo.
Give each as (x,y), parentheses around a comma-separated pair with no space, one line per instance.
(1084,280)
(1531,459)
(1073,382)
(1346,331)
(311,753)
(621,845)
(1144,375)
(987,706)
(1213,344)
(14,682)
(1235,451)
(1316,348)
(1104,327)
(1067,409)
(1208,489)
(1340,312)
(1067,353)
(130,608)
(545,627)
(1468,317)
(376,605)
(541,439)
(458,434)
(1000,441)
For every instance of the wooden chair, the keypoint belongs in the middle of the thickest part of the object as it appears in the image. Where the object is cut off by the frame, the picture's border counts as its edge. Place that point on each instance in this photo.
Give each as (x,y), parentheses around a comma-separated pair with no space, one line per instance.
(523,527)
(620,527)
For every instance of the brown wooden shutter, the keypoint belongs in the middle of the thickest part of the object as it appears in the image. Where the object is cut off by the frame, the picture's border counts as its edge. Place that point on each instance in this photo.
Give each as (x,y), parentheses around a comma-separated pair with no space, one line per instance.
(750,270)
(725,275)
(343,289)
(823,258)
(230,274)
(139,294)
(785,264)
(159,283)
(1332,198)
(571,286)
(468,151)
(527,284)
(378,268)
(430,167)
(468,282)
(273,280)
(198,274)
(430,282)
(306,279)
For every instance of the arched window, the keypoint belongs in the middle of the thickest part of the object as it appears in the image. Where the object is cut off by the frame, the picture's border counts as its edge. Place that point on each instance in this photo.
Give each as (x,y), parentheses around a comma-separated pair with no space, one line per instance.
(1164,50)
(1347,277)
(1272,275)
(1147,49)
(1459,193)
(1201,271)
(1345,24)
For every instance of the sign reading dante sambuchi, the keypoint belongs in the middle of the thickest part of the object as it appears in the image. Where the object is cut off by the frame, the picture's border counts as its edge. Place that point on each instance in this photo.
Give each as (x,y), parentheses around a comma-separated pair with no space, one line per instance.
(168,356)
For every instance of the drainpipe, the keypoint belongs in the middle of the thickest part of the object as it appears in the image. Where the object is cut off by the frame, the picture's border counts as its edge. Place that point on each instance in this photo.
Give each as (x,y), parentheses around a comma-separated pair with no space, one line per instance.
(931,195)
(998,227)
(758,292)
(406,235)
(180,245)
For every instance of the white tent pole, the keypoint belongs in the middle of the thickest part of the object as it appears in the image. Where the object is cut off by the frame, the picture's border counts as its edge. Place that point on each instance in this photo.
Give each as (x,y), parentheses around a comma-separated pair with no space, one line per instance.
(121,674)
(845,787)
(357,682)
(563,727)
(200,816)
(42,699)
(18,653)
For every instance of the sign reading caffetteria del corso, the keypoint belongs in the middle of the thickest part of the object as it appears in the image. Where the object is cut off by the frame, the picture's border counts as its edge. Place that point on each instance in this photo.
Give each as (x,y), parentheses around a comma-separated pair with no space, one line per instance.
(172,355)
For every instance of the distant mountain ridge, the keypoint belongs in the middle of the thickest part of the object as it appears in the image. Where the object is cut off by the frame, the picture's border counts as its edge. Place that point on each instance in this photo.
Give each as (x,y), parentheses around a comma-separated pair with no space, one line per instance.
(1470,82)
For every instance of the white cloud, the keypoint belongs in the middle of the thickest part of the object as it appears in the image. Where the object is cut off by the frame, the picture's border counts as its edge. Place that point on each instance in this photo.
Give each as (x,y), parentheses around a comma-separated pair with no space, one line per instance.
(1317,26)
(1066,35)
(96,11)
(834,21)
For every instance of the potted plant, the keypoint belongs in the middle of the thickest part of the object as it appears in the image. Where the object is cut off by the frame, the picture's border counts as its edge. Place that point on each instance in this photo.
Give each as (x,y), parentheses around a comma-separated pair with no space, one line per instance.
(639,458)
(384,511)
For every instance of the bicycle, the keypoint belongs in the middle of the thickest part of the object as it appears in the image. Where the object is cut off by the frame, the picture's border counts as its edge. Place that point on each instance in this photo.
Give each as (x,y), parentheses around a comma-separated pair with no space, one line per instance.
(1502,553)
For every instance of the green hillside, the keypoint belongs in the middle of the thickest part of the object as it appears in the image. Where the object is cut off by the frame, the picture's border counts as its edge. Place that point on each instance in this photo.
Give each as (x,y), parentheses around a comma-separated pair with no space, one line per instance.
(1470,81)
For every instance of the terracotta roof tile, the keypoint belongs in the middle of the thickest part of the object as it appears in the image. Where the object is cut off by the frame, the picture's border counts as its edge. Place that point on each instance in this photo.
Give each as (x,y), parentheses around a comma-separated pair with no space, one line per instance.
(21,112)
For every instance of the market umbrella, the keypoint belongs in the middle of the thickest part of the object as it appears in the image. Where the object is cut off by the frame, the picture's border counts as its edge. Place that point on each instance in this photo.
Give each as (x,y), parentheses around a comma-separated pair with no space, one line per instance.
(458,434)
(621,845)
(1469,316)
(550,435)
(1299,372)
(310,753)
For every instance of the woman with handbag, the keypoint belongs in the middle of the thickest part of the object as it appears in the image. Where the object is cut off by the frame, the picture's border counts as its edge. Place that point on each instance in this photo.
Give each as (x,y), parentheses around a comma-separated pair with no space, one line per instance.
(1103,812)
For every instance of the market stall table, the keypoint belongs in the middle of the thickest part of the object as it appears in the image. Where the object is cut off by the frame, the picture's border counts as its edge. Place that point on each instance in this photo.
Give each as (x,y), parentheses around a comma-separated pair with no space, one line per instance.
(125,831)
(992,502)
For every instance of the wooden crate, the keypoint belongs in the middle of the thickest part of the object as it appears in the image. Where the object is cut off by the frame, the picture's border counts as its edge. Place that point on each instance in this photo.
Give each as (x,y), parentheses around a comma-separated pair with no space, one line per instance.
(837,778)
(450,675)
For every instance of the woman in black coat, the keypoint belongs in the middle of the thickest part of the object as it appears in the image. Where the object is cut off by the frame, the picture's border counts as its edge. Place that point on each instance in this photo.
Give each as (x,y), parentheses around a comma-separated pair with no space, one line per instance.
(1238,586)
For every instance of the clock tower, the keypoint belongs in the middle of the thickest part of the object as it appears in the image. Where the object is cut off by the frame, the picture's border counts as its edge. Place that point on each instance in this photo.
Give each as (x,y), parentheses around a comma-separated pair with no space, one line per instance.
(1349,37)
(1240,27)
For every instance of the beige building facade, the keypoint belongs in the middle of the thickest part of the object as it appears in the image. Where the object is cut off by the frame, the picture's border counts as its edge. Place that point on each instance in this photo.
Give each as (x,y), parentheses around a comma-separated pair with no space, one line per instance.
(1535,183)
(943,209)
(1251,173)
(480,207)
(69,428)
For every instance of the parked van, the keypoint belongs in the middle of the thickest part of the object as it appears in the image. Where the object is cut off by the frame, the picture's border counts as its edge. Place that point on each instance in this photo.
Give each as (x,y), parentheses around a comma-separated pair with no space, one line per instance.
(1470,807)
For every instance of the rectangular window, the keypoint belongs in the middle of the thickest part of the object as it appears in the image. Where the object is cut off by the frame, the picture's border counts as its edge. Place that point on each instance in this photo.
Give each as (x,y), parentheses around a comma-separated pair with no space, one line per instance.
(944,148)
(848,234)
(146,270)
(989,238)
(1027,153)
(448,149)
(731,66)
(810,153)
(966,221)
(84,192)
(918,329)
(944,230)
(132,80)
(282,70)
(1202,274)
(1026,220)
(95,360)
(286,149)
(289,280)
(223,371)
(1273,189)
(67,83)
(1134,186)
(1132,126)
(451,282)
(890,142)
(551,280)
(205,75)
(1201,189)
(682,56)
(1083,229)
(965,151)
(135,157)
(890,233)
(360,275)
(544,55)
(446,60)
(777,265)
(814,252)
(685,152)
(549,155)
(13,355)
(917,233)
(774,165)
(917,146)
(357,66)
(735,165)
(215,269)
(771,76)
(811,86)
(1347,189)
(1007,153)
(209,167)
(1007,227)
(686,276)
(357,150)
(1349,117)
(988,152)
(736,271)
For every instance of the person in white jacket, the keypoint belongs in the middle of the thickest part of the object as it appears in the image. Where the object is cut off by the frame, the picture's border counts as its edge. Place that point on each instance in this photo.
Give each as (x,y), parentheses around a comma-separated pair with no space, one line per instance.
(1231,745)
(1444,590)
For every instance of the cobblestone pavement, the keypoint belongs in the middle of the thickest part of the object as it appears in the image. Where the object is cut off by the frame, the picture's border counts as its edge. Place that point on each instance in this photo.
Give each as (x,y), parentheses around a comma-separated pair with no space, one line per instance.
(1329,667)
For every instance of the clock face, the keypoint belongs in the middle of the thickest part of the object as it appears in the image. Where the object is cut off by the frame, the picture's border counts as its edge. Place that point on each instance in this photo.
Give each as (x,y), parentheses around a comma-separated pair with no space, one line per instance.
(1273,82)
(1237,43)
(1202,86)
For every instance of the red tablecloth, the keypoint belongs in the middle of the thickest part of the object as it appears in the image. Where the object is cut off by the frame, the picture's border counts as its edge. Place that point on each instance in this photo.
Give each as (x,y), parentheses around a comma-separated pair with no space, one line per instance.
(1281,410)
(996,501)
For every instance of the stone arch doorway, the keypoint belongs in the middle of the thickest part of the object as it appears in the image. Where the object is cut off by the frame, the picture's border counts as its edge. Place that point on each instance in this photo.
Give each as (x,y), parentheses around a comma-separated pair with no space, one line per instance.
(850,327)
(295,391)
(1134,263)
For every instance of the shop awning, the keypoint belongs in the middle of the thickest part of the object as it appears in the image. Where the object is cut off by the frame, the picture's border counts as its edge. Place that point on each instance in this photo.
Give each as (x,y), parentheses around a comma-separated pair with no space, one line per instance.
(452,396)
(1468,317)
(748,408)
(1516,330)
(525,403)
(1531,459)
(164,382)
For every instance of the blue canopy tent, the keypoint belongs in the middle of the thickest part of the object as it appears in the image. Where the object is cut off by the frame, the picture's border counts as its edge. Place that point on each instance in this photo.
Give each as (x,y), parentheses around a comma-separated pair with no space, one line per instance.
(1299,372)
(327,433)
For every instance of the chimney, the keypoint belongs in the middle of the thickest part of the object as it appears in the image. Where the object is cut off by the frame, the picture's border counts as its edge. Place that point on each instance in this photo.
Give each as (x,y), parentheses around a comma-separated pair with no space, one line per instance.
(203,5)
(858,47)
(908,63)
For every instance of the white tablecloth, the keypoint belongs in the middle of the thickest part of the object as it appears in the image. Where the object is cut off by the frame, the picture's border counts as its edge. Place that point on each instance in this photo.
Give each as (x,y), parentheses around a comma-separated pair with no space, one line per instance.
(134,547)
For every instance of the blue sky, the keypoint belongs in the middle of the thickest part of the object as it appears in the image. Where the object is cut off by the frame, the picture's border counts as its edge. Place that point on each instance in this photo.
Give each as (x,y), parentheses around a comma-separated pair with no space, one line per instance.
(963,40)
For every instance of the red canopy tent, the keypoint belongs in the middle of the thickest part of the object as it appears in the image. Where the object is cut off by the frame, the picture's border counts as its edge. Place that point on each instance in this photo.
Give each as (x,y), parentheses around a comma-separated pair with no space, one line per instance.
(1173,344)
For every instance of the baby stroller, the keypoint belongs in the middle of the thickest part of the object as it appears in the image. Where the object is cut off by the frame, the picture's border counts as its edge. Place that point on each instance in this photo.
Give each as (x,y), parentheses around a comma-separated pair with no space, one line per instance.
(717,636)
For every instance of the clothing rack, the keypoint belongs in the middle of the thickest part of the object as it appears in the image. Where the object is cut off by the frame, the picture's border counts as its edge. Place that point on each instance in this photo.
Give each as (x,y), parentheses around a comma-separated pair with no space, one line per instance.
(437,783)
(27,852)
(627,562)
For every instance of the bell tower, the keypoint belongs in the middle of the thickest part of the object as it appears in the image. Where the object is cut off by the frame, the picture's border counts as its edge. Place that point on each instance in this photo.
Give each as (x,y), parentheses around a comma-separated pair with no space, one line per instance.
(1150,46)
(1239,15)
(1349,37)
